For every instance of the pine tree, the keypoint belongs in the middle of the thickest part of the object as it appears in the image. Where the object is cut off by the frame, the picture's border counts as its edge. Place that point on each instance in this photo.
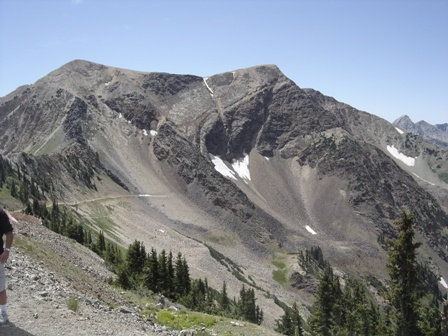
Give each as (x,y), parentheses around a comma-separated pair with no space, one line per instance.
(80,234)
(135,258)
(151,278)
(178,283)
(100,244)
(55,209)
(290,323)
(163,273)
(170,276)
(88,239)
(248,310)
(182,276)
(403,273)
(359,315)
(325,311)
(112,255)
(246,304)
(210,306)
(296,321)
(284,325)
(36,208)
(224,301)
(123,278)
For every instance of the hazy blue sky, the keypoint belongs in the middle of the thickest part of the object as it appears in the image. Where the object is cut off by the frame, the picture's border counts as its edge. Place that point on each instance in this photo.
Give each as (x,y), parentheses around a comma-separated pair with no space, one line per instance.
(386,57)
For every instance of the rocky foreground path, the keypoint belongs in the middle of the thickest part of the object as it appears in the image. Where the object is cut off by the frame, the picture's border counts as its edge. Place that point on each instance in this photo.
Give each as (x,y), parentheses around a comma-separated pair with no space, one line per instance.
(45,302)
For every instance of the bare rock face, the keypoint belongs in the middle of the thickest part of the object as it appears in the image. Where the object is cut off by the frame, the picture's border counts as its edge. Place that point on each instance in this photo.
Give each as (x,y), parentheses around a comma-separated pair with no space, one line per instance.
(244,161)
(75,119)
(217,195)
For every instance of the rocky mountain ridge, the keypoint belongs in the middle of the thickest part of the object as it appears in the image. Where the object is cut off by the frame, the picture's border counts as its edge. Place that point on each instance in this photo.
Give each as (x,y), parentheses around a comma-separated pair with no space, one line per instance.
(436,134)
(245,162)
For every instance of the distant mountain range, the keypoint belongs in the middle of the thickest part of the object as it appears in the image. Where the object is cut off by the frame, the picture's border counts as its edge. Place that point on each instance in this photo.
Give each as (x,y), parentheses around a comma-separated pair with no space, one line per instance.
(437,134)
(238,171)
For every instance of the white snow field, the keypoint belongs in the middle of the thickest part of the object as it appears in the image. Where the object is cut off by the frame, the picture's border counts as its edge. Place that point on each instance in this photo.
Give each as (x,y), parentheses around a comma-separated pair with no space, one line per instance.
(242,168)
(221,167)
(407,160)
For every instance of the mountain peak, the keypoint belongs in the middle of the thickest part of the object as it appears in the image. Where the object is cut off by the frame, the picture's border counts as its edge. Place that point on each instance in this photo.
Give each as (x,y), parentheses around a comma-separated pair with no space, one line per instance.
(436,134)
(79,65)
(403,119)
(263,71)
(405,123)
(245,161)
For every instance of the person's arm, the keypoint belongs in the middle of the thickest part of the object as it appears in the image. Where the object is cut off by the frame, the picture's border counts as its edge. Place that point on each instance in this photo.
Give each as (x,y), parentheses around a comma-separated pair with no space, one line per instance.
(5,255)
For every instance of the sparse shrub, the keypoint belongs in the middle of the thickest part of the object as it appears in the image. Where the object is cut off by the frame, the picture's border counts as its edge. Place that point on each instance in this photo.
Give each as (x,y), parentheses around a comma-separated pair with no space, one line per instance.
(183,320)
(73,304)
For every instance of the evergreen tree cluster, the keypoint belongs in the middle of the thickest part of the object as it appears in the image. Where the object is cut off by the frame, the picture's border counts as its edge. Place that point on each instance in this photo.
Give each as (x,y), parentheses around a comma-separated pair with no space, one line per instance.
(290,323)
(23,188)
(80,167)
(162,273)
(312,260)
(247,307)
(20,185)
(61,219)
(414,303)
(5,170)
(347,311)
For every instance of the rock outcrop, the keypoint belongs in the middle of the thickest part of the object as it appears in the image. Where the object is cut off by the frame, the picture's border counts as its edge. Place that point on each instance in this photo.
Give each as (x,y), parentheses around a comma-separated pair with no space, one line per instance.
(436,134)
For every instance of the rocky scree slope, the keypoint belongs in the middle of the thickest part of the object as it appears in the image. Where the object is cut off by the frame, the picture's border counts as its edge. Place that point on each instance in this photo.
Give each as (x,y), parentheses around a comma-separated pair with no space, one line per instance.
(46,271)
(248,161)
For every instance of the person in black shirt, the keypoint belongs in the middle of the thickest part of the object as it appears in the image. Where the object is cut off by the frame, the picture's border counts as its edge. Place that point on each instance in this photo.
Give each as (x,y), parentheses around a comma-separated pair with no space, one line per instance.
(5,229)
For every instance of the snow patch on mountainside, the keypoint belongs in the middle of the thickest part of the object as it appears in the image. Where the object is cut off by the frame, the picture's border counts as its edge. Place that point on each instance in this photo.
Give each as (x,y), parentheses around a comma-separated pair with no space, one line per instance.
(242,168)
(239,168)
(221,167)
(399,130)
(208,87)
(310,230)
(407,160)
